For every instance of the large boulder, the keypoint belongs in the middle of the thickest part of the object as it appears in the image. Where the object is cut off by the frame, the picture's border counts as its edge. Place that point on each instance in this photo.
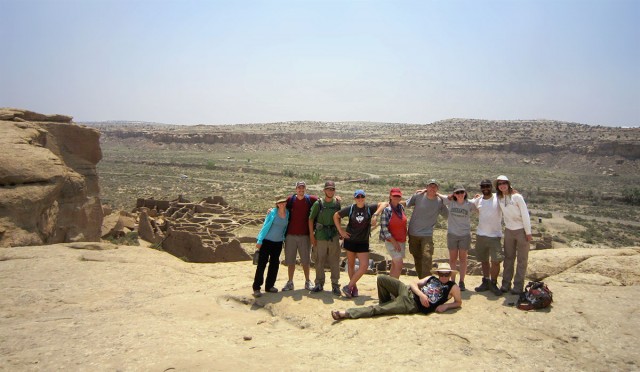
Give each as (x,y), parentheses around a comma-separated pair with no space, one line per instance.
(48,181)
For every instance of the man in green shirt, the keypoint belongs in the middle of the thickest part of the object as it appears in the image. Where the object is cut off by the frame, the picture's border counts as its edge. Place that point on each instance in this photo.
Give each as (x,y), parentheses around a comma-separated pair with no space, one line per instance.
(325,239)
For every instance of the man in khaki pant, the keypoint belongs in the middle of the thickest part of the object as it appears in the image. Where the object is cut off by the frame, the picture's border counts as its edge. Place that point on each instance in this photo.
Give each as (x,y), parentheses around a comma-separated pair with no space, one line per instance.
(325,239)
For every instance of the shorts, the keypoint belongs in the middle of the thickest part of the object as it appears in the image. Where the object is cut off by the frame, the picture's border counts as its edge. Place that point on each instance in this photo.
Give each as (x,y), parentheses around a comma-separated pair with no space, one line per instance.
(297,244)
(392,250)
(486,247)
(356,247)
(459,242)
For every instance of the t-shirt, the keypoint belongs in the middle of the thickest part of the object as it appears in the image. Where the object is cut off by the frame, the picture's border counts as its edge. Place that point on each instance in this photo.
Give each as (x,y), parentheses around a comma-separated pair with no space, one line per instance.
(276,230)
(359,224)
(425,214)
(459,221)
(490,216)
(324,229)
(298,220)
(436,291)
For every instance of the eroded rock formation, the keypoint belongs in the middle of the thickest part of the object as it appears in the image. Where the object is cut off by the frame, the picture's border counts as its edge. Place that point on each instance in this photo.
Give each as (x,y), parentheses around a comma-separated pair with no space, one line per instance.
(194,232)
(48,182)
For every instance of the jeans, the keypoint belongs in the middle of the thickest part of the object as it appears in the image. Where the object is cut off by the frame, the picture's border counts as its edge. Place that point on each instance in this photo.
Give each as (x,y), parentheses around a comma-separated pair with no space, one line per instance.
(269,252)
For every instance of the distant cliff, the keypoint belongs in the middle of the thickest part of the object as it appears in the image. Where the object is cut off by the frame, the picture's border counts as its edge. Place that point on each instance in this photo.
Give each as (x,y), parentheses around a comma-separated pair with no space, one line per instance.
(527,137)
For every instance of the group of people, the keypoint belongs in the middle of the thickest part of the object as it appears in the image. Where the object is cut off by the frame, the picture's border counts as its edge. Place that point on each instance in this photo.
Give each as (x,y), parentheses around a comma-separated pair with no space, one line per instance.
(310,225)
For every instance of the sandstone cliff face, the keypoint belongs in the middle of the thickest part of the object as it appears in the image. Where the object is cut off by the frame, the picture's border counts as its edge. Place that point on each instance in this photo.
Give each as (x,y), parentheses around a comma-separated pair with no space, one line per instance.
(48,181)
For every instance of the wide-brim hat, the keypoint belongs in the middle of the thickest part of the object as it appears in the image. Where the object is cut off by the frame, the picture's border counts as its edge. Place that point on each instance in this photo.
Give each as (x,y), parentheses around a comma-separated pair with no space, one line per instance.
(444,267)
(281,199)
(500,178)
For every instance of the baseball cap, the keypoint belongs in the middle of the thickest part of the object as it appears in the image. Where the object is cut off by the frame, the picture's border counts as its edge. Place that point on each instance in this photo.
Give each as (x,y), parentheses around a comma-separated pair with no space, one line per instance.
(359,192)
(301,183)
(395,192)
(329,185)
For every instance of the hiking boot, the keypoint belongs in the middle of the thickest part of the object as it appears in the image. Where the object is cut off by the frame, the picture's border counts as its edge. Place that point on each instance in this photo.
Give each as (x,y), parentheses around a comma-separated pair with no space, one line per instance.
(257,293)
(462,287)
(347,291)
(515,291)
(309,285)
(505,288)
(485,286)
(335,289)
(354,291)
(288,286)
(272,290)
(493,286)
(317,288)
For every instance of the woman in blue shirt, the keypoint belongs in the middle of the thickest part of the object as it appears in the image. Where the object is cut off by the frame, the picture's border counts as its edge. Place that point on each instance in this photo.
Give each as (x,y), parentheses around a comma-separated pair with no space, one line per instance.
(269,245)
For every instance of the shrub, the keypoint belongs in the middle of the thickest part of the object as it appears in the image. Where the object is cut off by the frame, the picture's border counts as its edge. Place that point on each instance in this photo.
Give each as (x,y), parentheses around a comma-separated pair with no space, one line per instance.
(130,238)
(631,195)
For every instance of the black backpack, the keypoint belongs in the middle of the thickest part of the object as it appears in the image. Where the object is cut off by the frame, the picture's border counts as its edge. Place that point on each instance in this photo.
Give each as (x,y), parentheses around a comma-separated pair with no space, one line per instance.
(536,295)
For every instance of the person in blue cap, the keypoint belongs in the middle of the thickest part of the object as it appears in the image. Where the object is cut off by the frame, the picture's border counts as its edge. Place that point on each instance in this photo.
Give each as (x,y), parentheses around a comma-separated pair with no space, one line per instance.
(362,217)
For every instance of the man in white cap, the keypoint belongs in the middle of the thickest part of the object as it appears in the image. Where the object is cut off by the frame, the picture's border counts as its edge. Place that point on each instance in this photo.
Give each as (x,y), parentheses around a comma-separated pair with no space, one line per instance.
(426,296)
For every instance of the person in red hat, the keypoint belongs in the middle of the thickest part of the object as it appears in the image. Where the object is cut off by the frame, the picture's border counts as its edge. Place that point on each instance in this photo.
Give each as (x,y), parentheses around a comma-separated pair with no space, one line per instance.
(393,231)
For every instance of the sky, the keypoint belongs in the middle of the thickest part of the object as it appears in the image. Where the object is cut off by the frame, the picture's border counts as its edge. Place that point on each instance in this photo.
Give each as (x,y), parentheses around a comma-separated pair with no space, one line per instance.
(238,61)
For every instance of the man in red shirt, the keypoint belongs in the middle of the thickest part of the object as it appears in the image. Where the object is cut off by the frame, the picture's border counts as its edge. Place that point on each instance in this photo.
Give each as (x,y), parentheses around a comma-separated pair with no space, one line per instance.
(297,240)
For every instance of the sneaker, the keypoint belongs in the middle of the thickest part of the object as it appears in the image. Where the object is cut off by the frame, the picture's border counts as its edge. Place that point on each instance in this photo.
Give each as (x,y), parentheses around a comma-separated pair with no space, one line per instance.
(308,285)
(288,286)
(257,293)
(335,289)
(485,286)
(347,291)
(493,286)
(272,290)
(354,291)
(462,287)
(317,288)
(505,288)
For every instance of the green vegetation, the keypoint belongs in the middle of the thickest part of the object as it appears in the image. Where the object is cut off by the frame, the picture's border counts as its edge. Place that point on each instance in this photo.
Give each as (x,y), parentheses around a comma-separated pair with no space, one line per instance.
(598,232)
(130,238)
(631,195)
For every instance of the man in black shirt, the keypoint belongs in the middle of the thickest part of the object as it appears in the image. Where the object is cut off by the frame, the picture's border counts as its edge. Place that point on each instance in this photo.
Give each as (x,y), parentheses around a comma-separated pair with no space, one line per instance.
(427,295)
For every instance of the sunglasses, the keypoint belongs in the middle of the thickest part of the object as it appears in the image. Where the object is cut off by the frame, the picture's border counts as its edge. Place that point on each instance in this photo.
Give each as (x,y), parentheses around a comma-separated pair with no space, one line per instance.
(503,183)
(329,189)
(444,274)
(459,192)
(485,186)
(359,197)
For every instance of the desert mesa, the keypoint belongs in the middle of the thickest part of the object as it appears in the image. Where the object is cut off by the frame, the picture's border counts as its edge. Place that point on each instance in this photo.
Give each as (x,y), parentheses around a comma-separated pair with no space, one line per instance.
(75,297)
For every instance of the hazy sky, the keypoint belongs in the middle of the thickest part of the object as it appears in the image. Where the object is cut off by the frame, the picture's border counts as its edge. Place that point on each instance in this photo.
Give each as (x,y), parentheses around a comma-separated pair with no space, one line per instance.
(219,62)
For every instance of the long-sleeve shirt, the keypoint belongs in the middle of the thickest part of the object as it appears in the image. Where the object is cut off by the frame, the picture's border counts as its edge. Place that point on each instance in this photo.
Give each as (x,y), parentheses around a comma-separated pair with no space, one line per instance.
(515,213)
(268,222)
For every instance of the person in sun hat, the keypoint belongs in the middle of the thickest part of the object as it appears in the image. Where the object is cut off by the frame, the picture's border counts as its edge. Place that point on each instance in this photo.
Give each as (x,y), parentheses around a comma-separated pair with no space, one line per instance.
(489,249)
(459,230)
(427,206)
(269,244)
(427,295)
(517,235)
(362,217)
(393,231)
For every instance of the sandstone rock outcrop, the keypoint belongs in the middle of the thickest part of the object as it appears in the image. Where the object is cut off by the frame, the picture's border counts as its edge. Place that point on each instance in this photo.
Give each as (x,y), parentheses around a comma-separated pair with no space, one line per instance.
(48,182)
